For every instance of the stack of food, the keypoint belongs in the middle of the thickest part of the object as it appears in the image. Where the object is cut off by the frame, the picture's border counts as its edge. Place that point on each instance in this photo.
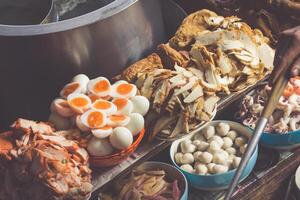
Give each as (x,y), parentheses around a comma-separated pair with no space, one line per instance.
(214,150)
(209,56)
(286,116)
(39,163)
(112,113)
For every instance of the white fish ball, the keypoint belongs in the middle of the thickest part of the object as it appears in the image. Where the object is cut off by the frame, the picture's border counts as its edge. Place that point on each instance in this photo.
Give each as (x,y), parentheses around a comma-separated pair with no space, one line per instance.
(201,169)
(209,131)
(223,129)
(187,158)
(187,168)
(196,142)
(218,139)
(210,167)
(219,158)
(231,151)
(178,157)
(205,157)
(227,142)
(196,155)
(240,141)
(218,169)
(203,146)
(214,147)
(236,161)
(232,134)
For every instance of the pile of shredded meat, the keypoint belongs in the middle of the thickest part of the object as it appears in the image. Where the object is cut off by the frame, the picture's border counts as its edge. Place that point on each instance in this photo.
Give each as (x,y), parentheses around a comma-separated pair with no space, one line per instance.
(38,163)
(286,116)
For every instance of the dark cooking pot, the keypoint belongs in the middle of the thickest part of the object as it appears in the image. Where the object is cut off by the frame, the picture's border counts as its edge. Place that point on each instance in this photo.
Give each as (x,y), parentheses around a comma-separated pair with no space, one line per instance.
(37,60)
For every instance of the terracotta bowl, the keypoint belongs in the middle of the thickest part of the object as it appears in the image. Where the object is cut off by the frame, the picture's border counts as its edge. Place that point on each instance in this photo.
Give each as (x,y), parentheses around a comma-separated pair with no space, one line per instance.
(116,158)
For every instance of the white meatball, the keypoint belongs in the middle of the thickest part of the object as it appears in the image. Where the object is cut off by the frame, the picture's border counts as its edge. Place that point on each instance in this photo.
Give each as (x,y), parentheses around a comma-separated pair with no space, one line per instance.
(201,169)
(227,142)
(178,157)
(218,169)
(213,147)
(196,142)
(187,168)
(187,146)
(240,141)
(203,146)
(205,157)
(232,134)
(209,131)
(243,148)
(210,167)
(219,158)
(236,161)
(218,139)
(231,150)
(223,129)
(200,137)
(187,158)
(196,155)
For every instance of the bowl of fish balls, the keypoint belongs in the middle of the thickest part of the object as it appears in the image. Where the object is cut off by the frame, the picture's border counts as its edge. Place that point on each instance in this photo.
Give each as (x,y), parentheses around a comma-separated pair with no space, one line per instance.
(210,157)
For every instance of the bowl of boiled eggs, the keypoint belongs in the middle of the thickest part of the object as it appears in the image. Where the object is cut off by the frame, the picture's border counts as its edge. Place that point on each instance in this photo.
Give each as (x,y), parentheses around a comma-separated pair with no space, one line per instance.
(112,115)
(209,158)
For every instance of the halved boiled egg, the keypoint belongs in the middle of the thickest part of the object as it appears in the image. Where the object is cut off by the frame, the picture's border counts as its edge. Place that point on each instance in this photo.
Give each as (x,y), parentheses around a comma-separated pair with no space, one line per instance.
(79,102)
(122,89)
(74,87)
(80,124)
(103,132)
(124,106)
(61,107)
(118,120)
(105,106)
(99,86)
(81,78)
(94,119)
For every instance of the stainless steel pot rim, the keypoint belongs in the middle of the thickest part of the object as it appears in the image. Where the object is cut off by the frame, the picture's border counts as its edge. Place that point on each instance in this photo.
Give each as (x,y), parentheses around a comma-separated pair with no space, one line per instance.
(76,22)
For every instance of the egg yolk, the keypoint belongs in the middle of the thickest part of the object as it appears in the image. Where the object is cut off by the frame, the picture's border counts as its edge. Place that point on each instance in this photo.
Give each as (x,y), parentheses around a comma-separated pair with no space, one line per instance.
(102,105)
(95,119)
(70,89)
(124,89)
(120,103)
(79,102)
(117,118)
(101,86)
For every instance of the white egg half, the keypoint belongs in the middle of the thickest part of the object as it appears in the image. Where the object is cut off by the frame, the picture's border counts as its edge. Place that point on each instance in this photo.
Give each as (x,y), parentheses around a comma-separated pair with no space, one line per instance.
(72,88)
(105,106)
(118,120)
(103,132)
(141,105)
(124,106)
(79,102)
(100,147)
(136,123)
(60,123)
(99,86)
(61,107)
(121,138)
(80,125)
(123,90)
(94,119)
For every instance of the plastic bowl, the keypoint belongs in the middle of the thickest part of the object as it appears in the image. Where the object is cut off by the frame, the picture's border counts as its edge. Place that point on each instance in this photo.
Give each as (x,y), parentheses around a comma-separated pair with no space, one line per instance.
(172,174)
(216,181)
(284,141)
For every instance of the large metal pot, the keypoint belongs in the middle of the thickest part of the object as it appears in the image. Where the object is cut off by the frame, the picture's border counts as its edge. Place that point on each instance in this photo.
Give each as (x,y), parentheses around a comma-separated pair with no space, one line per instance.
(36,61)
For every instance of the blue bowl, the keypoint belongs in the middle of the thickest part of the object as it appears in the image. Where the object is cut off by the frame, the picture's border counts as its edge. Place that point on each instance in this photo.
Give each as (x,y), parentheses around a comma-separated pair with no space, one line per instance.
(284,141)
(216,181)
(172,174)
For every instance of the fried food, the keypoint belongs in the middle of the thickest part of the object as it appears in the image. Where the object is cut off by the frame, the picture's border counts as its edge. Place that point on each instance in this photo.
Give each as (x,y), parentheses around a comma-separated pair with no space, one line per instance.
(170,56)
